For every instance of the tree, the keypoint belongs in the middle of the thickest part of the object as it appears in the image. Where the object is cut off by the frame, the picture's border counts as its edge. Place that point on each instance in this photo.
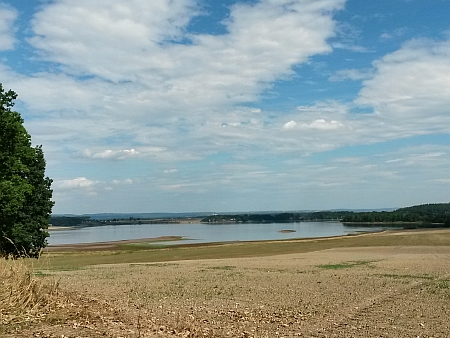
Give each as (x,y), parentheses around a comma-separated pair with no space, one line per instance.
(25,192)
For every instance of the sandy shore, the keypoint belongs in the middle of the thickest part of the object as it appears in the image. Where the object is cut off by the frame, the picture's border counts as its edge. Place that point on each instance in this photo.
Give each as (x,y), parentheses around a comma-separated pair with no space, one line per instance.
(111,245)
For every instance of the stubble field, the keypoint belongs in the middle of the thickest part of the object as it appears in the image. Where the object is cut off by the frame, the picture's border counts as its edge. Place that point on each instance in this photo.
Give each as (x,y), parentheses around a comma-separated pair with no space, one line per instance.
(330,288)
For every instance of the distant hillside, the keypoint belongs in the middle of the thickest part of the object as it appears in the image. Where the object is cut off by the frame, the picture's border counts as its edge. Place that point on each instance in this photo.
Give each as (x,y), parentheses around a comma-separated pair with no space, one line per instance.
(425,214)
(429,209)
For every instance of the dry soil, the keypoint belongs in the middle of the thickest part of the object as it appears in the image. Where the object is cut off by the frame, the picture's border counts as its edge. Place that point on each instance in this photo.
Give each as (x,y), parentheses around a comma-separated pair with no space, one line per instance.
(379,291)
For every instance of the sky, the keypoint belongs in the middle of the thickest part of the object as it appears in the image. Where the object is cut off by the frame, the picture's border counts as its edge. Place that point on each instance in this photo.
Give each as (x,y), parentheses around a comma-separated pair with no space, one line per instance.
(233,106)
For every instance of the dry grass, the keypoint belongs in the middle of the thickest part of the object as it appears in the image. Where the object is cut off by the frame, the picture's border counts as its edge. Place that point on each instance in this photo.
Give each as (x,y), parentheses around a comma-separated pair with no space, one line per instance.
(24,298)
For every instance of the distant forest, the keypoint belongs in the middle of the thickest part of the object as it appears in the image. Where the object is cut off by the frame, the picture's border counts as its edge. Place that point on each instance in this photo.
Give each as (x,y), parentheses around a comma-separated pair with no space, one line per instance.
(68,221)
(277,218)
(71,221)
(426,214)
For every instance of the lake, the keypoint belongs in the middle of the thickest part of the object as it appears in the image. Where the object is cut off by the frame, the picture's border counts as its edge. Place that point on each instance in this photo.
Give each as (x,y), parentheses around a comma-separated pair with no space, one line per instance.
(205,233)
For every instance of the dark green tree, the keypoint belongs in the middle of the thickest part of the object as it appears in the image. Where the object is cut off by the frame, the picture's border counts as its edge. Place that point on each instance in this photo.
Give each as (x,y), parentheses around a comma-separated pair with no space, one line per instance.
(25,192)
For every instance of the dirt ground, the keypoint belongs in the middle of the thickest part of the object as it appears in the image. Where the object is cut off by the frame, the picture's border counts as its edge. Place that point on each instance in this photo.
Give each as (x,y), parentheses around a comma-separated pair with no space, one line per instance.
(390,291)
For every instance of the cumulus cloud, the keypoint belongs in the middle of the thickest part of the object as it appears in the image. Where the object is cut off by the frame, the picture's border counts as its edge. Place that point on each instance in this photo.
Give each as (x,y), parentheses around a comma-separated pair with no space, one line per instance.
(412,82)
(110,154)
(322,124)
(127,181)
(263,42)
(319,124)
(73,34)
(408,92)
(403,88)
(76,183)
(290,125)
(161,154)
(8,16)
(162,97)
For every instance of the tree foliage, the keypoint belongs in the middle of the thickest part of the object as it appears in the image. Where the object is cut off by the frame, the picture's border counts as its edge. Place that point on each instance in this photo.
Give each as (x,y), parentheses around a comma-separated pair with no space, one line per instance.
(25,192)
(426,214)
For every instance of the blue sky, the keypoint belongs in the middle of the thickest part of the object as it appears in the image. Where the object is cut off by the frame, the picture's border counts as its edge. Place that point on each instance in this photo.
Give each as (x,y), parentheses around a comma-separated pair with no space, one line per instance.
(176,106)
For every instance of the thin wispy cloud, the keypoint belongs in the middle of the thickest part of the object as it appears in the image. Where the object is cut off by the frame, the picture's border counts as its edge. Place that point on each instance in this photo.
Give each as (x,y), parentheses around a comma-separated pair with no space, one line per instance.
(8,16)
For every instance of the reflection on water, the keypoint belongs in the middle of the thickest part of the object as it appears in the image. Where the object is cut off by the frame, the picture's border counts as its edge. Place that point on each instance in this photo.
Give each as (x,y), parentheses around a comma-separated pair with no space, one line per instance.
(205,233)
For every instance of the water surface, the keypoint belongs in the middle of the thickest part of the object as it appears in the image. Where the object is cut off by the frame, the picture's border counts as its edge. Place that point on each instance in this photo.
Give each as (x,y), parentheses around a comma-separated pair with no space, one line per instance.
(205,233)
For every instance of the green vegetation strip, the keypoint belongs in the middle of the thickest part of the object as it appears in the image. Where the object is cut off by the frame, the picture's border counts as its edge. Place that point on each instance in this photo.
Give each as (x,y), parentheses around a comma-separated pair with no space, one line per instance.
(126,254)
(344,265)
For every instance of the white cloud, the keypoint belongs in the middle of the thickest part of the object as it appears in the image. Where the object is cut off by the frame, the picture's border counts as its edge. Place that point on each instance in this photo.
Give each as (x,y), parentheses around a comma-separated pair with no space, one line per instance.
(322,124)
(408,91)
(404,88)
(97,37)
(160,154)
(76,183)
(351,74)
(110,154)
(127,181)
(290,125)
(162,101)
(319,124)
(173,102)
(413,85)
(8,16)
(264,41)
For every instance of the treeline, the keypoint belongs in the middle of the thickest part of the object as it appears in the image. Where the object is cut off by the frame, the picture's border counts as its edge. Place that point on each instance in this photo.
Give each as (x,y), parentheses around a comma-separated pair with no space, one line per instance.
(73,221)
(277,218)
(69,221)
(425,214)
(420,214)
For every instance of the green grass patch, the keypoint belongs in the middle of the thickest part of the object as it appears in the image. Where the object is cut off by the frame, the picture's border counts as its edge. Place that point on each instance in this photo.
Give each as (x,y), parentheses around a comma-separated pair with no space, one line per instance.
(345,265)
(444,284)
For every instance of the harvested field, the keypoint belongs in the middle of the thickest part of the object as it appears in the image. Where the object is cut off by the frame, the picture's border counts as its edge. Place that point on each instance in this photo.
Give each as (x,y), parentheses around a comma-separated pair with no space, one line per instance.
(401,289)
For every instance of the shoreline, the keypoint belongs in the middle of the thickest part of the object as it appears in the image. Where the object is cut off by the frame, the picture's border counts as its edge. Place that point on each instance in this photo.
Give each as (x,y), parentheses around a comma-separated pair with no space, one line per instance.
(97,246)
(112,223)
(116,245)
